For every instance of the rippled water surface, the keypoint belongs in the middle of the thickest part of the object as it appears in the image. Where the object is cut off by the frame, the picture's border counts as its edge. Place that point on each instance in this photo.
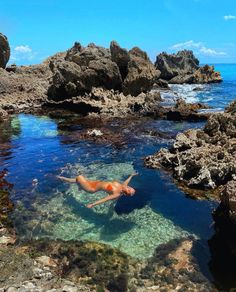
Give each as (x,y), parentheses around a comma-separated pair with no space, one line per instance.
(218,96)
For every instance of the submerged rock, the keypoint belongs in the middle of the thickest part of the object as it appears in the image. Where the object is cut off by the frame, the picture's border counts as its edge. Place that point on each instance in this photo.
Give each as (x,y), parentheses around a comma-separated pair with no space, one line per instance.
(202,159)
(183,67)
(4,50)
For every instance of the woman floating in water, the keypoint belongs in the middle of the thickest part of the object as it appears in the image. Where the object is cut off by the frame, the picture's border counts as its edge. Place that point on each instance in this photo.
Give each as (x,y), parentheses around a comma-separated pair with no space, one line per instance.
(114,189)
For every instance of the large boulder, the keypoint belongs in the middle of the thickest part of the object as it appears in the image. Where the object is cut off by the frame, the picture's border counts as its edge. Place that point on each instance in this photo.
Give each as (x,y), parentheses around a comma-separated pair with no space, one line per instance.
(202,159)
(183,67)
(4,51)
(142,74)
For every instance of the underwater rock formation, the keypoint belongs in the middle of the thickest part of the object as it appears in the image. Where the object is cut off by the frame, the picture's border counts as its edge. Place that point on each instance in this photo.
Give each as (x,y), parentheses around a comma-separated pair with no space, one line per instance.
(183,67)
(202,159)
(4,50)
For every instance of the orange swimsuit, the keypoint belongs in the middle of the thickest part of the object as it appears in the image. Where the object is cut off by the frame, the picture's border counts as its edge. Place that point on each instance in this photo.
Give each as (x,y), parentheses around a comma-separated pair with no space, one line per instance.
(109,188)
(94,184)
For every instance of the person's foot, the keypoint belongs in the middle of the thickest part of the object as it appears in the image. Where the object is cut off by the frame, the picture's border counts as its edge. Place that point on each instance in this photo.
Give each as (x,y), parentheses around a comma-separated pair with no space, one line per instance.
(89,206)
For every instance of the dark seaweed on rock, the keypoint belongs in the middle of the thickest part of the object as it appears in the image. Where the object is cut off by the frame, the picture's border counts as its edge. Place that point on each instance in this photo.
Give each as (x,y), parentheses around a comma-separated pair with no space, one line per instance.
(6,205)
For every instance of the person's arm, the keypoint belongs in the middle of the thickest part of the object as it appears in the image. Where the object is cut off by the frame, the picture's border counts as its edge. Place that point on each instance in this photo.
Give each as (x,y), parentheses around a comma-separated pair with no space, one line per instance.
(126,182)
(66,179)
(105,199)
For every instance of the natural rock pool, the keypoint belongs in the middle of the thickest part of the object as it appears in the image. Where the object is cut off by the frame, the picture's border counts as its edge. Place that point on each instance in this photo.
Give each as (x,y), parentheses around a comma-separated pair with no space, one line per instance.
(34,149)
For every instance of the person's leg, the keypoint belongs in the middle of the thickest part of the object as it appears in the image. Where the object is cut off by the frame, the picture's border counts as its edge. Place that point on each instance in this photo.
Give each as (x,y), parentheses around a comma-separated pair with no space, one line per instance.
(88,186)
(66,179)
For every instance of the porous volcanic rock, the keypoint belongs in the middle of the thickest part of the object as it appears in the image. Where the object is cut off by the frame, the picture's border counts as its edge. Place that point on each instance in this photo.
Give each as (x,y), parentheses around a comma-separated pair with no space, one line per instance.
(111,103)
(4,51)
(183,67)
(202,159)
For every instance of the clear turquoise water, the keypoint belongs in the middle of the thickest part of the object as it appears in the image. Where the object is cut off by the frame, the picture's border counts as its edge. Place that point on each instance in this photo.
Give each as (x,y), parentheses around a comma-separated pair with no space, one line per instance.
(158,213)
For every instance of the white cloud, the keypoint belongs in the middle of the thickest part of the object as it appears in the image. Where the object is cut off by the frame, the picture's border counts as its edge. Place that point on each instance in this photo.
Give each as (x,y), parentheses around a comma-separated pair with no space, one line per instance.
(23,49)
(198,47)
(211,52)
(186,45)
(229,17)
(22,54)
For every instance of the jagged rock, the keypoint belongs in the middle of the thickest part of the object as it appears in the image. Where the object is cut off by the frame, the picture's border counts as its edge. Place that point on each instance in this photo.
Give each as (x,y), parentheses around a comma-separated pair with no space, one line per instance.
(121,57)
(183,67)
(4,50)
(171,65)
(228,199)
(231,108)
(3,114)
(182,111)
(82,69)
(202,159)
(206,74)
(161,84)
(141,73)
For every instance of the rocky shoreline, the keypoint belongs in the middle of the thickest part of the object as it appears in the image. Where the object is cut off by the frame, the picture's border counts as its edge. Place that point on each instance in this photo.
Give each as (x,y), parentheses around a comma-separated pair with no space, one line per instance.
(98,81)
(202,159)
(109,83)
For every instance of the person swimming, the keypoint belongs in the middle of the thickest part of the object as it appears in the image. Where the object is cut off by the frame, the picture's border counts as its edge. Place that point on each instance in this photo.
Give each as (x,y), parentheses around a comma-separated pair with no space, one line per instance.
(114,189)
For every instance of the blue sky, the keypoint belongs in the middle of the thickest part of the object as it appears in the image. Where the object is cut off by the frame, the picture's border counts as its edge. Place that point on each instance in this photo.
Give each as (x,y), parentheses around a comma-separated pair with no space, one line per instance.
(37,29)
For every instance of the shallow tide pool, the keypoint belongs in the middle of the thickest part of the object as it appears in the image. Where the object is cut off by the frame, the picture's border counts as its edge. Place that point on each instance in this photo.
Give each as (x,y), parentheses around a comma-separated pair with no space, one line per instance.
(34,149)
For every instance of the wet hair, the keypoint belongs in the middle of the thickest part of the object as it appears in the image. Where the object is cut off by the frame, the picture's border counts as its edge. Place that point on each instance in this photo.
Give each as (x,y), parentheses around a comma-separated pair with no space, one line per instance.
(129,191)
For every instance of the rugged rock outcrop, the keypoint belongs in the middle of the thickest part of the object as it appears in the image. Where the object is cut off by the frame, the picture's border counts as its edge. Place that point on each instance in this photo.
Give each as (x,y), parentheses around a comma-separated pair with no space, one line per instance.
(171,65)
(86,67)
(202,159)
(4,50)
(183,67)
(23,87)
